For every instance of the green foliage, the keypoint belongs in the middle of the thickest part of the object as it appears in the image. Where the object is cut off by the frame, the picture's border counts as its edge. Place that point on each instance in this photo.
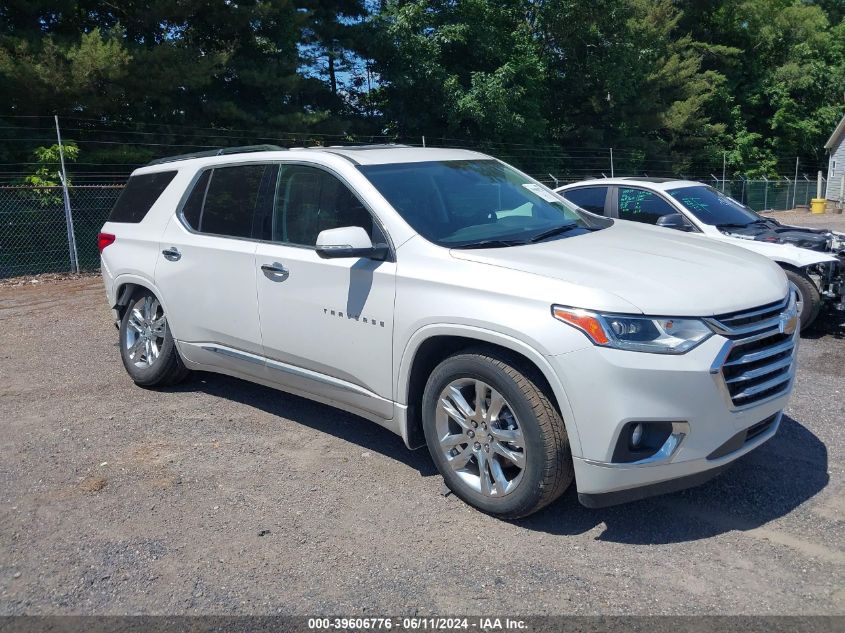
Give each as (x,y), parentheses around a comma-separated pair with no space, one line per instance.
(674,83)
(48,160)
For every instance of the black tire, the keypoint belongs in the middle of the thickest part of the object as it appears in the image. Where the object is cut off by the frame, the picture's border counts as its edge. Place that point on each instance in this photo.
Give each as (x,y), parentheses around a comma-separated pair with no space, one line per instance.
(548,467)
(808,293)
(167,368)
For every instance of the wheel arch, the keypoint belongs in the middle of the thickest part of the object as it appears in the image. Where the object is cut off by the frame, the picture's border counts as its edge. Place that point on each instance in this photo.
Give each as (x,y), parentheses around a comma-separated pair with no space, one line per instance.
(125,286)
(432,344)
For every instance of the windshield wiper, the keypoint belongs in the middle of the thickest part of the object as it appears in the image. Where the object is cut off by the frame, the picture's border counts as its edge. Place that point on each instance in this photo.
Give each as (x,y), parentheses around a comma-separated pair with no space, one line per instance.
(491,244)
(558,230)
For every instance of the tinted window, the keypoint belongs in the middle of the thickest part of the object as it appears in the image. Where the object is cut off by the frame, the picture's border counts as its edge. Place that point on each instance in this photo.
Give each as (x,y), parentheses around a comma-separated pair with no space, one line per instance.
(589,198)
(640,205)
(231,200)
(461,203)
(310,200)
(193,205)
(139,195)
(712,206)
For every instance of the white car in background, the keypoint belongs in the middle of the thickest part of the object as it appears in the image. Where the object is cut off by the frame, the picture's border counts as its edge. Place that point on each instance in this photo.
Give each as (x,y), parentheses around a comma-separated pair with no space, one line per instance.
(813,259)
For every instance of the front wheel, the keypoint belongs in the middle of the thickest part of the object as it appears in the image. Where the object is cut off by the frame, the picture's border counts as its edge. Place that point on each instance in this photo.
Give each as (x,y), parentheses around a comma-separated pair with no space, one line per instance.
(494,435)
(809,300)
(146,346)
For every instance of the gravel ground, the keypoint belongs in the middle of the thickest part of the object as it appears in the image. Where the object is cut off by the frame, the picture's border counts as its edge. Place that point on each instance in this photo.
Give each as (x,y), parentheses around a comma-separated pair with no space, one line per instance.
(801,217)
(225,497)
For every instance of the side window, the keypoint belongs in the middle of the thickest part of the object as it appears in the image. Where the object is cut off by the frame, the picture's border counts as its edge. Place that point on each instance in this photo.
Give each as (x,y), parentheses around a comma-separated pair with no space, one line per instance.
(231,200)
(139,195)
(193,205)
(309,200)
(589,198)
(640,205)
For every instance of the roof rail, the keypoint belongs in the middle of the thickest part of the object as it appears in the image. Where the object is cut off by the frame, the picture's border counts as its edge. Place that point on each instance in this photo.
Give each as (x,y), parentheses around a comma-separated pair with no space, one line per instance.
(245,149)
(364,147)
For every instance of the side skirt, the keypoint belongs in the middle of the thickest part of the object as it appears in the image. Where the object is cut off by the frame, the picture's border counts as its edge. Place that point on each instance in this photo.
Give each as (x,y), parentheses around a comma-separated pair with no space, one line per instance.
(308,384)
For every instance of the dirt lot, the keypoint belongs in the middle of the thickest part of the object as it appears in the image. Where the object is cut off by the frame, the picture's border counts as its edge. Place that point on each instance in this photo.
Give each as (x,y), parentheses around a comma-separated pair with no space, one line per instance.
(801,217)
(225,497)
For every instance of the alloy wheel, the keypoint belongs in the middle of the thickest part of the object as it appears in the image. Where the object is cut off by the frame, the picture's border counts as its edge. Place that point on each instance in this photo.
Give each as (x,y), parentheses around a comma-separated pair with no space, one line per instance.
(480,437)
(145,331)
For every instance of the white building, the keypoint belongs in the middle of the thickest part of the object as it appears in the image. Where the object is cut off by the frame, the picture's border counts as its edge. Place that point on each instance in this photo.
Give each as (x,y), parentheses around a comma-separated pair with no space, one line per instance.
(836,167)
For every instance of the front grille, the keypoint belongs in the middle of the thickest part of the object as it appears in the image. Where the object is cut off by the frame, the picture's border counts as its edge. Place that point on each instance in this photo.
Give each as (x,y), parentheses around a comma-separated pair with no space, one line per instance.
(760,362)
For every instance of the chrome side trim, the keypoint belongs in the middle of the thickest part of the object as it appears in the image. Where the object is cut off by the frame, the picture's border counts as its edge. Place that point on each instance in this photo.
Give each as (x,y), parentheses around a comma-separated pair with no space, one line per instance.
(300,372)
(231,353)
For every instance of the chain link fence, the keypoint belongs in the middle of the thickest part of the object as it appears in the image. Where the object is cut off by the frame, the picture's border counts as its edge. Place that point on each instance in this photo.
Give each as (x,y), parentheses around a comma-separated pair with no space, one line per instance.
(34,234)
(770,194)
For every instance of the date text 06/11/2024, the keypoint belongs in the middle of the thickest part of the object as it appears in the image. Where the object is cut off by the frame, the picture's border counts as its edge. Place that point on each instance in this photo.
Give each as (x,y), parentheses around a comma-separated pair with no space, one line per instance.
(416,623)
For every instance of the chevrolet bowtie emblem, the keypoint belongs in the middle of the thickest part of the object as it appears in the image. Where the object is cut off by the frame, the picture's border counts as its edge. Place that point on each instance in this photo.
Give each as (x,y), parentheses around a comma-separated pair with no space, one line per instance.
(788,322)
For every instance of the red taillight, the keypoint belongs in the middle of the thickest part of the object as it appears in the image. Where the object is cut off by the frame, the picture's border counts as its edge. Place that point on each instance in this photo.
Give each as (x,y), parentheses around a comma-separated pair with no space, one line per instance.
(104,239)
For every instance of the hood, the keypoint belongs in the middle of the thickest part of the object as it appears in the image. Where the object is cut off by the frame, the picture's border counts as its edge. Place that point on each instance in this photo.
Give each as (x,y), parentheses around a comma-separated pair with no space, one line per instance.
(663,273)
(772,231)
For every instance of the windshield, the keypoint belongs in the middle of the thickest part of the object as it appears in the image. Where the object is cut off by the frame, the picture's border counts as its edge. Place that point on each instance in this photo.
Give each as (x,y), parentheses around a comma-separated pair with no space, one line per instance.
(475,203)
(713,207)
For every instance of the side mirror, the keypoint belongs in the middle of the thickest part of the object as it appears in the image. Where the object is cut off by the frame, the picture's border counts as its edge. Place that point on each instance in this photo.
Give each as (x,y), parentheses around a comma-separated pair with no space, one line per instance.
(349,241)
(674,221)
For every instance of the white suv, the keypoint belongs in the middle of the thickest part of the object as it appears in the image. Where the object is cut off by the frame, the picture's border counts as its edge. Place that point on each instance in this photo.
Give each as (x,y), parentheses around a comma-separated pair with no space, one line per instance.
(462,305)
(813,259)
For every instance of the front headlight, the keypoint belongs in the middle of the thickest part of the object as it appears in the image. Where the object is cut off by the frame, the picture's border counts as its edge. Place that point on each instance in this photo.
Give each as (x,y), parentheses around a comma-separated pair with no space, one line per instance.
(658,335)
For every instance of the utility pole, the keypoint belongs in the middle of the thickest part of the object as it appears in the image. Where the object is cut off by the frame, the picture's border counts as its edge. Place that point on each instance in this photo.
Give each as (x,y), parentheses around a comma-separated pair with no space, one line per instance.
(423,140)
(611,161)
(71,238)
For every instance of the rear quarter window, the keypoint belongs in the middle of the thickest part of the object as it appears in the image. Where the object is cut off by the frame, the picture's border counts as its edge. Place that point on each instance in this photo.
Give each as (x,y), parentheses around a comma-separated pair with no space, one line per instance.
(139,195)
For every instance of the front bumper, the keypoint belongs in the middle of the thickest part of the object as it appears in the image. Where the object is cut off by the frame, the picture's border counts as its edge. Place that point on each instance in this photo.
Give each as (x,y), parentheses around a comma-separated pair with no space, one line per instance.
(608,389)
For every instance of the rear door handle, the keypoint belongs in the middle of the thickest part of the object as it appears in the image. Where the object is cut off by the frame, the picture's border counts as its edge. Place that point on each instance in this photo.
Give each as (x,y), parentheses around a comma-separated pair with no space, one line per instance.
(275,271)
(172,254)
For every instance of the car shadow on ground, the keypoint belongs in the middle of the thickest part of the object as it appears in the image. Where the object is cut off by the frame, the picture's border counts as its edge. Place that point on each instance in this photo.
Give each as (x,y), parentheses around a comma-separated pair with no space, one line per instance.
(768,483)
(761,486)
(830,322)
(346,426)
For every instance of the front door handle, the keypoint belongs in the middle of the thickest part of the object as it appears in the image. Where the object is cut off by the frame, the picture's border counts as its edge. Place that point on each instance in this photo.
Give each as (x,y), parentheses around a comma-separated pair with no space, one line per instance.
(172,254)
(275,271)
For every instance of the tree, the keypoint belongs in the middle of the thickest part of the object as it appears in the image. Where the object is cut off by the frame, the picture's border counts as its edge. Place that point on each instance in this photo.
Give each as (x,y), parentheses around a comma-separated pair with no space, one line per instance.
(469,69)
(785,85)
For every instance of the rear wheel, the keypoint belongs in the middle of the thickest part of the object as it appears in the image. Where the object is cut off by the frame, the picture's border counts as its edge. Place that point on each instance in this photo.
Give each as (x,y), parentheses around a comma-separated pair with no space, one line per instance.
(809,299)
(146,346)
(498,441)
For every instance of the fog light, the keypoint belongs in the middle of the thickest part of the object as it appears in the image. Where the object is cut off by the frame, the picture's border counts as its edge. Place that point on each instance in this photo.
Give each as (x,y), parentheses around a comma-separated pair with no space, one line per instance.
(636,436)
